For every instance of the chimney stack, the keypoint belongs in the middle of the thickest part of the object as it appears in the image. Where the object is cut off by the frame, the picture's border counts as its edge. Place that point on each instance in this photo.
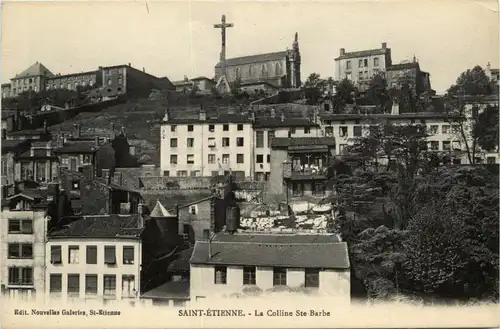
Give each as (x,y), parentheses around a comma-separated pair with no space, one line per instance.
(203,113)
(130,65)
(143,69)
(165,117)
(342,51)
(384,45)
(97,141)
(77,130)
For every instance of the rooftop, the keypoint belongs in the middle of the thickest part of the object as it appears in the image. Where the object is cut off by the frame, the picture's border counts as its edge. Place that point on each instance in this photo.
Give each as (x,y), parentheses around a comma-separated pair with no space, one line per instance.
(403,66)
(78,147)
(101,226)
(11,144)
(160,211)
(363,53)
(34,70)
(274,250)
(287,122)
(31,132)
(170,290)
(279,142)
(221,118)
(255,58)
(414,115)
(181,263)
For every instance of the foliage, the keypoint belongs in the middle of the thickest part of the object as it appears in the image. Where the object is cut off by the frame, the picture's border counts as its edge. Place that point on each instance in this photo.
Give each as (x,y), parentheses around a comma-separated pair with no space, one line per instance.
(377,92)
(314,88)
(345,92)
(486,128)
(473,82)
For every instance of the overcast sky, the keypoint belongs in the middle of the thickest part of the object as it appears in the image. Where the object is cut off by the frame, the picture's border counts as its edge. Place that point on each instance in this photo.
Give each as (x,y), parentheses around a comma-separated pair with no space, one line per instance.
(174,39)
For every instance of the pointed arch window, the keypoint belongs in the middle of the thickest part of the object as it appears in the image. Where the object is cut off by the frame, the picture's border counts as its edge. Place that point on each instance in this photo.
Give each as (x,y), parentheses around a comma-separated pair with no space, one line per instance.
(278,69)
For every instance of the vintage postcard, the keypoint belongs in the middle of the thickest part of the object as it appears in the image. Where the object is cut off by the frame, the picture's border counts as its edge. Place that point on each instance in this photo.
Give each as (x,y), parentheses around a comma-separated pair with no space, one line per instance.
(242,164)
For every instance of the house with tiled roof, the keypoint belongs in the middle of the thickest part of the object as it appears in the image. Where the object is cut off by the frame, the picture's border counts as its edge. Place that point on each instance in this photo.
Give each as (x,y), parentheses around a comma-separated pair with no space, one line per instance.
(203,85)
(33,78)
(280,69)
(299,166)
(95,258)
(229,265)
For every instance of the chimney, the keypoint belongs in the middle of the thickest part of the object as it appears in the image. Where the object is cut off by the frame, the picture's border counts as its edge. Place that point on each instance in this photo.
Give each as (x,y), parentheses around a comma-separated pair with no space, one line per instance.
(342,51)
(45,129)
(253,117)
(140,212)
(273,113)
(143,69)
(165,117)
(395,108)
(282,116)
(130,65)
(384,45)
(203,113)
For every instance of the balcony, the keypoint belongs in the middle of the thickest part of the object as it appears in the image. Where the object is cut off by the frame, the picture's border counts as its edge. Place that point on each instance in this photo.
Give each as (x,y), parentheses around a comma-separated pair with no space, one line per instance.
(306,172)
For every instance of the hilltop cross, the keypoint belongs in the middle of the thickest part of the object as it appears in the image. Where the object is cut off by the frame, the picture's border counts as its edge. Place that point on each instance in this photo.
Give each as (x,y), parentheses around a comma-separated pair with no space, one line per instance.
(223,78)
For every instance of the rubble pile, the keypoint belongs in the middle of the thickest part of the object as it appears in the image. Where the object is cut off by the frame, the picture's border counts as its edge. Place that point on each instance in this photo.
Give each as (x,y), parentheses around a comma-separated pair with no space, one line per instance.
(305,222)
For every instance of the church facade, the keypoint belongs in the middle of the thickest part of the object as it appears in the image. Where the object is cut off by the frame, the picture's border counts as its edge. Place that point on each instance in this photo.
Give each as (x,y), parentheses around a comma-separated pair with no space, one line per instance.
(279,69)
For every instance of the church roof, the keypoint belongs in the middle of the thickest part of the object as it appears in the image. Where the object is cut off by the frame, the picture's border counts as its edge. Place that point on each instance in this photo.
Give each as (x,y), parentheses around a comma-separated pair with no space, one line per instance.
(34,70)
(255,58)
(160,211)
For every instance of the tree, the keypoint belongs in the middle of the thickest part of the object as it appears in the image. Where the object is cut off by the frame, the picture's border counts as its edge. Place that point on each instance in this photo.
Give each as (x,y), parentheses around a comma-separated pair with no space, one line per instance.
(377,92)
(314,87)
(345,93)
(473,82)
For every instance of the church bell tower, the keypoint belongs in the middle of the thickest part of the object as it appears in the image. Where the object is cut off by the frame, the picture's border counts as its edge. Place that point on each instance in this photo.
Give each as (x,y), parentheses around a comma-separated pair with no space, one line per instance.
(295,63)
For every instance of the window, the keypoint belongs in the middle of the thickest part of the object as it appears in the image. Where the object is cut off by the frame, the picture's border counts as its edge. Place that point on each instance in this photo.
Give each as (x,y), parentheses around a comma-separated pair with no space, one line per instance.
(220,275)
(491,160)
(249,275)
(250,71)
(73,255)
(278,69)
(190,142)
(360,64)
(182,173)
(195,173)
(260,158)
(128,255)
(55,283)
(119,81)
(211,128)
(190,128)
(75,185)
(21,276)
(240,141)
(211,142)
(109,285)
(173,159)
(279,276)
(55,255)
(225,141)
(312,278)
(343,131)
(445,129)
(342,147)
(190,159)
(240,127)
(291,130)
(20,250)
(225,158)
(225,127)
(109,255)
(22,226)
(433,129)
(173,128)
(91,284)
(240,158)
(329,131)
(357,131)
(211,158)
(446,146)
(260,139)
(173,142)
(166,173)
(348,65)
(237,72)
(73,284)
(193,209)
(128,285)
(307,130)
(457,161)
(270,136)
(109,82)
(91,255)
(457,146)
(365,62)
(376,61)
(434,146)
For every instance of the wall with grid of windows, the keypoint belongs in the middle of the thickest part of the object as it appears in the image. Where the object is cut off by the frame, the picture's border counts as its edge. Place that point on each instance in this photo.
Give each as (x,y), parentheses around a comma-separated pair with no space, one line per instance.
(215,281)
(202,149)
(93,269)
(22,259)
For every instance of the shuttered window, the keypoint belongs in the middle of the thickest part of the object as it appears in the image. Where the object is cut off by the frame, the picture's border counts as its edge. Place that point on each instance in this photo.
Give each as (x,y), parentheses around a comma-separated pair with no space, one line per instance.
(91,254)
(128,255)
(73,284)
(109,255)
(109,285)
(91,284)
(55,254)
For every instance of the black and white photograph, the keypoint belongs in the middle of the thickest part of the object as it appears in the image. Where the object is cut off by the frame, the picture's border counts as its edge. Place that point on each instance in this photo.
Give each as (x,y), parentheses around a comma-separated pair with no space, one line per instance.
(241,164)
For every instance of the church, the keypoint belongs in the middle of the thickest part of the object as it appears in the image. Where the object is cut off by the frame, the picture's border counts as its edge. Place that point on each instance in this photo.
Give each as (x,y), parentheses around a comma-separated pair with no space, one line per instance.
(278,69)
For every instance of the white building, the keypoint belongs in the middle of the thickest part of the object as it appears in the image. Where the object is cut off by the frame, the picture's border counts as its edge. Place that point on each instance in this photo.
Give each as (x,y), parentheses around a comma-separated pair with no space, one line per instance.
(234,264)
(206,146)
(95,258)
(22,239)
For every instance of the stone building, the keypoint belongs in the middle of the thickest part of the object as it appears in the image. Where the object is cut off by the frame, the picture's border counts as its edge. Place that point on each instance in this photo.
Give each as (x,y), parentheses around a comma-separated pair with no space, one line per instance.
(280,69)
(34,78)
(409,73)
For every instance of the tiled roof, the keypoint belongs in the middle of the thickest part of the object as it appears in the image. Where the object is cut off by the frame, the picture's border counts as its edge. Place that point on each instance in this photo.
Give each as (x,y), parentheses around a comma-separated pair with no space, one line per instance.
(170,290)
(277,238)
(34,70)
(221,118)
(40,131)
(301,141)
(10,144)
(78,147)
(160,211)
(255,58)
(363,53)
(286,252)
(7,114)
(105,226)
(287,122)
(197,201)
(181,263)
(37,153)
(55,77)
(403,66)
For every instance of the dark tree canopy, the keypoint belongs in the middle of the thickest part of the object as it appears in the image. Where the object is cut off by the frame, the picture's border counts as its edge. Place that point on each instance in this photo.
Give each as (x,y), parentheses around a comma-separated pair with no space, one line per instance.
(473,82)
